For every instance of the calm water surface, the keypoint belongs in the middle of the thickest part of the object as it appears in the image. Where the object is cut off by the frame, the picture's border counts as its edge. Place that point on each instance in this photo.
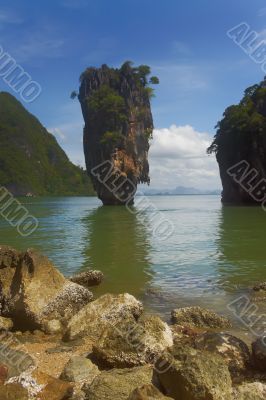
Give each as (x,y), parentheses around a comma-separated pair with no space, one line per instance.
(213,255)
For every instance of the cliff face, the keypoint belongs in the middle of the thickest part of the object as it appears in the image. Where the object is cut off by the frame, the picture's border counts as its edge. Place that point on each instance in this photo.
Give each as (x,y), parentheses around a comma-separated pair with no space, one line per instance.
(240,148)
(31,160)
(118,124)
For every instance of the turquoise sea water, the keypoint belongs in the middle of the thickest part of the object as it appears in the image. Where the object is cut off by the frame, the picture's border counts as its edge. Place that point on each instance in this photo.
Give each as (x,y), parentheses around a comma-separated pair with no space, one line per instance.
(213,255)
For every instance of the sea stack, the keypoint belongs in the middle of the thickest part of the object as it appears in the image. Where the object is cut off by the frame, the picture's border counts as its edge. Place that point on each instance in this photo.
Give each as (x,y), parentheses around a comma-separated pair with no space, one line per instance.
(240,148)
(116,108)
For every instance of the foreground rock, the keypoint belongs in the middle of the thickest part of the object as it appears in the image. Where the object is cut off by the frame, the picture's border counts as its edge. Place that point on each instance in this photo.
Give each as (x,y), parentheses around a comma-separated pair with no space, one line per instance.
(15,361)
(132,343)
(259,354)
(79,369)
(13,391)
(42,386)
(34,292)
(6,324)
(250,391)
(189,374)
(233,350)
(88,278)
(118,384)
(107,311)
(147,392)
(199,317)
(260,287)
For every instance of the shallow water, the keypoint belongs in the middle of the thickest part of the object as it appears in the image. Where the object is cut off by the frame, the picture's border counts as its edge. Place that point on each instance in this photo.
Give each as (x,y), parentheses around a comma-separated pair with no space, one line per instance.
(214,254)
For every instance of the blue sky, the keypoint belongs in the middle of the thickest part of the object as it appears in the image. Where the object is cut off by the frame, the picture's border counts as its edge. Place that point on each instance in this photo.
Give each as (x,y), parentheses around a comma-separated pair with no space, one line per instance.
(201,70)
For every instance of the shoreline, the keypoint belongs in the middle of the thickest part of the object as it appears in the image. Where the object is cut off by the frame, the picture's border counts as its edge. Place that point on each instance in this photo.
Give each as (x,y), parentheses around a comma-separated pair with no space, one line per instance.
(73,346)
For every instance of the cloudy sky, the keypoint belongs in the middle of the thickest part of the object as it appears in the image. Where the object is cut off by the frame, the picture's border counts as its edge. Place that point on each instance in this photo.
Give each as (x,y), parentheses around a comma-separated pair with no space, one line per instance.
(201,69)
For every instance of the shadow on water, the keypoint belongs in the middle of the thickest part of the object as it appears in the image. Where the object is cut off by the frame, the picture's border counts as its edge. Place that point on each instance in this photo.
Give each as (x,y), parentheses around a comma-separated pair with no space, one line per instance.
(242,246)
(117,243)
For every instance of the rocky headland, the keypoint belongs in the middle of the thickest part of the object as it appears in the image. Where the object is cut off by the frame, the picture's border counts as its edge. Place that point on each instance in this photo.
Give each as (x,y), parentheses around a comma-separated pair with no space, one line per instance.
(116,108)
(240,148)
(59,343)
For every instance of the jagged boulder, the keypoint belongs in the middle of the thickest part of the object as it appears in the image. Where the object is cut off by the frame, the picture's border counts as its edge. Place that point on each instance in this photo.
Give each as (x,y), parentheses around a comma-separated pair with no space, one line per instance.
(107,311)
(233,350)
(132,343)
(186,373)
(88,278)
(13,391)
(42,386)
(199,317)
(33,291)
(118,384)
(15,361)
(6,324)
(250,391)
(260,287)
(259,354)
(79,369)
(147,392)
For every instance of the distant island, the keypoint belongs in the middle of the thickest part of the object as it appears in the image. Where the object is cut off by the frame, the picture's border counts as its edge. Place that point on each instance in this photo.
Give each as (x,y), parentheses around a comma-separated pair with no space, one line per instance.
(116,108)
(180,190)
(31,161)
(240,148)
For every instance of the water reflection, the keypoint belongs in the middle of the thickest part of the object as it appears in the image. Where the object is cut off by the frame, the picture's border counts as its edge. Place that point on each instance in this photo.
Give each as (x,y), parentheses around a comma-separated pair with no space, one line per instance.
(241,244)
(117,243)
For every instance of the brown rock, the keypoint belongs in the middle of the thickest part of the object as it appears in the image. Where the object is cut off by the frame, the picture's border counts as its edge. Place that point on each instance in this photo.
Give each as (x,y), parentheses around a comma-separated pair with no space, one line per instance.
(132,343)
(147,392)
(3,373)
(79,369)
(108,310)
(54,389)
(259,354)
(16,361)
(43,387)
(189,374)
(118,384)
(88,278)
(199,317)
(13,391)
(6,324)
(233,350)
(250,391)
(33,291)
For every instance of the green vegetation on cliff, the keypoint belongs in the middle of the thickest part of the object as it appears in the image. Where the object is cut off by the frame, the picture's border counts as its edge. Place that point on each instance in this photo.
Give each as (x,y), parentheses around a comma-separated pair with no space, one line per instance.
(242,124)
(108,109)
(241,137)
(31,160)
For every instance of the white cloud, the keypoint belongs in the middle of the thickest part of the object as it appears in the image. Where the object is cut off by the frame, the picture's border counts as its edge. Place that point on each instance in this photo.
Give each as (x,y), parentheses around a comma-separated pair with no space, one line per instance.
(178,158)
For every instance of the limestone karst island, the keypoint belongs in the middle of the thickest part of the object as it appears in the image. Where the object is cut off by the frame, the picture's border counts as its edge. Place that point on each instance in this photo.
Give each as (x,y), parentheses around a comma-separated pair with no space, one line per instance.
(132,200)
